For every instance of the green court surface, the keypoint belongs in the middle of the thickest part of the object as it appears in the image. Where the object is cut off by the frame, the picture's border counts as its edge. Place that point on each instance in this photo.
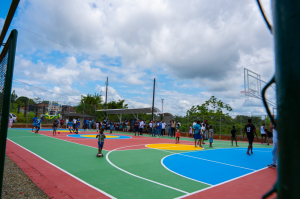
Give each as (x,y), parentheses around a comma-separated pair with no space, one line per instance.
(133,166)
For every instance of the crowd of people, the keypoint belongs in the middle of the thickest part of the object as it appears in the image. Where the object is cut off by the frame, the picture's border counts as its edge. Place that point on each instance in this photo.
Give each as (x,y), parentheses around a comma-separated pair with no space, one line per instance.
(198,130)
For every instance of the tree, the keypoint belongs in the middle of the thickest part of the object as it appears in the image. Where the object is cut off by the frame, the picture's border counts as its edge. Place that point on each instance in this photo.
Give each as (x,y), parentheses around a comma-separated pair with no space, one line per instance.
(210,107)
(92,100)
(13,97)
(117,105)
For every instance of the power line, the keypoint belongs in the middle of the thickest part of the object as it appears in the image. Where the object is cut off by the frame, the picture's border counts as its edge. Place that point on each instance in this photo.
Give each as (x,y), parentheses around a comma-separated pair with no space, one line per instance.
(42,89)
(57,42)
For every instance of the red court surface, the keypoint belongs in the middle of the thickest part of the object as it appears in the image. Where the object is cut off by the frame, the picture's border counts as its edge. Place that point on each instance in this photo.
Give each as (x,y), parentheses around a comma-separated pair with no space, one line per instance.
(248,187)
(53,181)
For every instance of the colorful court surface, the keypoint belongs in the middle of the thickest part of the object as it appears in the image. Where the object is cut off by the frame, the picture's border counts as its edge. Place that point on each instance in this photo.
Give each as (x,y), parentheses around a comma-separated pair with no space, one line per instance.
(93,136)
(66,166)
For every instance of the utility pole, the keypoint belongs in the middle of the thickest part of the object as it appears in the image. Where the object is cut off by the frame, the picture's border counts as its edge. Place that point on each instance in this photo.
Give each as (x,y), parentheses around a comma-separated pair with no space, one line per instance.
(153,99)
(106,93)
(162,108)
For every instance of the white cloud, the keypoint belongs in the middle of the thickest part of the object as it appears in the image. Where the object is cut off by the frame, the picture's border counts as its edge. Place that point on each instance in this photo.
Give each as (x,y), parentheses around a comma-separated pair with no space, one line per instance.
(205,43)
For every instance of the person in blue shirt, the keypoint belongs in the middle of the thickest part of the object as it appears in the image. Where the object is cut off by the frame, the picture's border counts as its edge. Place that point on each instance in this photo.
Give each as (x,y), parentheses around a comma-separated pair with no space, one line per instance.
(77,125)
(92,123)
(169,130)
(70,124)
(38,125)
(34,122)
(111,127)
(197,134)
(84,124)
(159,127)
(87,124)
(136,127)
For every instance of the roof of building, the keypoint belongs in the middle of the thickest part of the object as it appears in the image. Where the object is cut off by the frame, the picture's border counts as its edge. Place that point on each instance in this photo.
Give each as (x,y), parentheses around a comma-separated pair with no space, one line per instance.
(130,110)
(76,115)
(166,114)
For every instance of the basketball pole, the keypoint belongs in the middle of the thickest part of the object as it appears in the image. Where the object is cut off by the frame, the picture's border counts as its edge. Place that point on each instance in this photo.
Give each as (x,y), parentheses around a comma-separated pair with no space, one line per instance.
(153,99)
(12,9)
(286,20)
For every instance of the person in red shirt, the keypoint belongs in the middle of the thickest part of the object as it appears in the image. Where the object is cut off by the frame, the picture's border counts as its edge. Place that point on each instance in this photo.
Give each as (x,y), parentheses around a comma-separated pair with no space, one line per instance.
(61,122)
(249,129)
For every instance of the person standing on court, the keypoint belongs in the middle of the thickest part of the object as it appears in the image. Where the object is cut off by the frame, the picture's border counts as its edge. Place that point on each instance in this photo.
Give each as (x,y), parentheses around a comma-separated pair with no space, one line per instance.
(206,131)
(275,146)
(197,134)
(173,126)
(163,128)
(74,123)
(263,134)
(67,123)
(159,127)
(136,127)
(169,130)
(233,136)
(250,130)
(142,124)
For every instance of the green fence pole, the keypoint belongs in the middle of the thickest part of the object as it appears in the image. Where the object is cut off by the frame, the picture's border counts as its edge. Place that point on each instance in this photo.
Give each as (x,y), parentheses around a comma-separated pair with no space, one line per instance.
(286,18)
(12,42)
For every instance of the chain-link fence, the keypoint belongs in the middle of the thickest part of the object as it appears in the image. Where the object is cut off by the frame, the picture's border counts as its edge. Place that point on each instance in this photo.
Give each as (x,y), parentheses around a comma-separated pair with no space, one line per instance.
(223,124)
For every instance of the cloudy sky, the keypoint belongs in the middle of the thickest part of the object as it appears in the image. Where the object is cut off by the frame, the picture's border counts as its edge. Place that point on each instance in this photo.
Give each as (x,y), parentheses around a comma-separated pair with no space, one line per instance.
(194,49)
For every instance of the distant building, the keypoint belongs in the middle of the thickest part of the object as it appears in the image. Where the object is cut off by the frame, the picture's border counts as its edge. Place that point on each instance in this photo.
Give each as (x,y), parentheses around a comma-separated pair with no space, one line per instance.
(42,108)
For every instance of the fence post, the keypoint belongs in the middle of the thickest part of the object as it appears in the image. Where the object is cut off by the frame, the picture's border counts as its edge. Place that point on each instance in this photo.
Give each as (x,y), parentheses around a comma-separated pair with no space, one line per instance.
(287,45)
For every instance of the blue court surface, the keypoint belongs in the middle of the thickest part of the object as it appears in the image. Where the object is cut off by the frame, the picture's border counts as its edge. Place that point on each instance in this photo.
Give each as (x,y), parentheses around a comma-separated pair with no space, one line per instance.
(218,165)
(93,136)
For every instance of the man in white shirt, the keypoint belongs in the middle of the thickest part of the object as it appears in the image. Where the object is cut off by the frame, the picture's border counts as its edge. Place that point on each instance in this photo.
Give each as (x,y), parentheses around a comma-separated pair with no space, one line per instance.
(67,121)
(74,123)
(194,123)
(150,127)
(142,124)
(163,128)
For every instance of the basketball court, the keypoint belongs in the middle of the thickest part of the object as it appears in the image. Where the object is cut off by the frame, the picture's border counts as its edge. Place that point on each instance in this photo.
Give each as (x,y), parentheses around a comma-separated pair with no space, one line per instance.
(66,166)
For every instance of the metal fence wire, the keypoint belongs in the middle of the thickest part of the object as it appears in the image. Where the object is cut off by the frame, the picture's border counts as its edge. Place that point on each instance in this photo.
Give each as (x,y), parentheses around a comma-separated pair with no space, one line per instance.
(223,124)
(7,60)
(3,70)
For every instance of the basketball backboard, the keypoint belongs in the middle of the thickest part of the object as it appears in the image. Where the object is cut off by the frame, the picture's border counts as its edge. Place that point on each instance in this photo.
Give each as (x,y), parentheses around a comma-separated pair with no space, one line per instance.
(252,83)
(253,86)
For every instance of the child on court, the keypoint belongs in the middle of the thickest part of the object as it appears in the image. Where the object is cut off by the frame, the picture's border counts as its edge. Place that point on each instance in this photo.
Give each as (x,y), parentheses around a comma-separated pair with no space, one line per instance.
(101,136)
(97,126)
(38,125)
(211,135)
(70,124)
(233,136)
(55,124)
(177,136)
(191,131)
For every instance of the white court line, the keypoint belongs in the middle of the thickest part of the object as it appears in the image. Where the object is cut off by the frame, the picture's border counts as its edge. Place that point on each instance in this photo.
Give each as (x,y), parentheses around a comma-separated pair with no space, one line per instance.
(254,150)
(99,190)
(206,159)
(189,194)
(137,175)
(69,141)
(180,174)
